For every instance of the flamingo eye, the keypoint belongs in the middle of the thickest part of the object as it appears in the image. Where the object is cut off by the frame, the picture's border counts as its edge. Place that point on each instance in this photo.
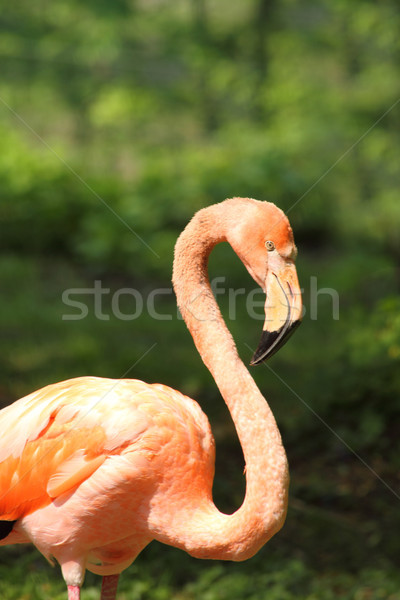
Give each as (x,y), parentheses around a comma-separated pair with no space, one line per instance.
(269,245)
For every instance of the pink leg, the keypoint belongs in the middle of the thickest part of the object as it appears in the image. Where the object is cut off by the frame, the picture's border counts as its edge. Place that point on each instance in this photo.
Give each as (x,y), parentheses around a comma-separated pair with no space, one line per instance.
(109,587)
(74,592)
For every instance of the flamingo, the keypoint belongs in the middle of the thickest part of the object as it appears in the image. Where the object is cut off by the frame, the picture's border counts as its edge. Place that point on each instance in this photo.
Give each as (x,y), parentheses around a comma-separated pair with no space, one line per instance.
(93,469)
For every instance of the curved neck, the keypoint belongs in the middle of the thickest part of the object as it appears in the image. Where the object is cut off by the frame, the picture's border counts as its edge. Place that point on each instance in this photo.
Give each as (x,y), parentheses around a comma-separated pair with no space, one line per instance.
(263,511)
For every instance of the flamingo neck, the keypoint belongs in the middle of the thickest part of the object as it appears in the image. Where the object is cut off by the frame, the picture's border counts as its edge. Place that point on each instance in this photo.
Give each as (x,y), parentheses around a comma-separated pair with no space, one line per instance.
(263,511)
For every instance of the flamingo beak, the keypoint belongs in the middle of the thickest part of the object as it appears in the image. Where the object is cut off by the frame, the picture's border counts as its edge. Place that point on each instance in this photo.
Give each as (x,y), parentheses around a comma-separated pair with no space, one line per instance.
(283,311)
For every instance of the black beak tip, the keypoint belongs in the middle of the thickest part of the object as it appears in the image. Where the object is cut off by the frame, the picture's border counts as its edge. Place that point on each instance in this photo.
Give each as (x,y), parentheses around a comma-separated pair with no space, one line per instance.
(265,347)
(272,341)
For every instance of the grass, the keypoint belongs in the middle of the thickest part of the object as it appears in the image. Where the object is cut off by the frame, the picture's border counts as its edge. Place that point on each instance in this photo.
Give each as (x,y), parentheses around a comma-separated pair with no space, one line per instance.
(167,574)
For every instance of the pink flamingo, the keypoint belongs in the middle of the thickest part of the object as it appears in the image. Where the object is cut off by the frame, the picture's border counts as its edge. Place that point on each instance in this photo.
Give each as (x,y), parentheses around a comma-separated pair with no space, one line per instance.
(92,469)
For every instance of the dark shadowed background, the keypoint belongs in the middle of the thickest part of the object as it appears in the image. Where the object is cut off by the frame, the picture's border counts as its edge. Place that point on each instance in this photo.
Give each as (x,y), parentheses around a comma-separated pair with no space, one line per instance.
(118,120)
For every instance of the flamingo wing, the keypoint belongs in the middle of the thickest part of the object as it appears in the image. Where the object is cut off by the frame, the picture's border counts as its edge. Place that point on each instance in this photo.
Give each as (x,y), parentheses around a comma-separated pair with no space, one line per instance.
(58,437)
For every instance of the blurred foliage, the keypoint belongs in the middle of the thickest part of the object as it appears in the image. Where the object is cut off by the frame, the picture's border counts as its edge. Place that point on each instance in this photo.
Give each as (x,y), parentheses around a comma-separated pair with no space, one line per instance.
(118,121)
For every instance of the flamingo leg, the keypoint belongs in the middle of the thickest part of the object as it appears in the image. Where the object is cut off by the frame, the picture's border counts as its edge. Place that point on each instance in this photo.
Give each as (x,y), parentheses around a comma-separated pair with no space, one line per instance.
(109,587)
(74,592)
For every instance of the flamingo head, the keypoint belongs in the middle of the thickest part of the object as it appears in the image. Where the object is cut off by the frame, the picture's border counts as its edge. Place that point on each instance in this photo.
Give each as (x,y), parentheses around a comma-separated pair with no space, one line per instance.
(263,239)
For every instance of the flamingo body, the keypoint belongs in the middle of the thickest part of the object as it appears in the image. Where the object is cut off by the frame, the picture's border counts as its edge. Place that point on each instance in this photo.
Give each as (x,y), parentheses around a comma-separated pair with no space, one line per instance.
(100,447)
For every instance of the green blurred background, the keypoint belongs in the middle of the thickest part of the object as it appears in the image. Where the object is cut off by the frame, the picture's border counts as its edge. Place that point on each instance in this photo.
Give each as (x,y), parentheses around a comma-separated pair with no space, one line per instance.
(118,120)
